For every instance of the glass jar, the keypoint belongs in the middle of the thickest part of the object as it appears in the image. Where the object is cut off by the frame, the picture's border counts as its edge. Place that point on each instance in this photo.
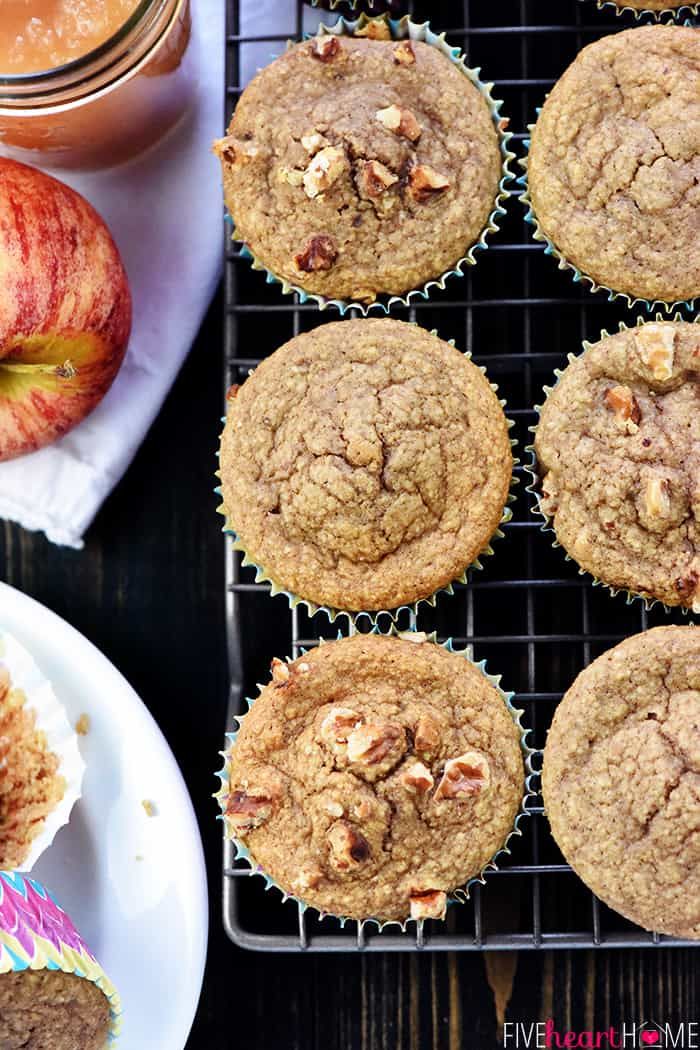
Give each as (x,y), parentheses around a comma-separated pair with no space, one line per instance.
(110,104)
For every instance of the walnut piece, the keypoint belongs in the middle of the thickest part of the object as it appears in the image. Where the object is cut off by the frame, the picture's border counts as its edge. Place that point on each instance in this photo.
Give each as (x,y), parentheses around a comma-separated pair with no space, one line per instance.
(424,182)
(370,744)
(621,401)
(400,121)
(327,166)
(377,29)
(417,778)
(313,141)
(325,48)
(428,904)
(348,848)
(548,496)
(319,253)
(426,737)
(246,811)
(466,775)
(337,726)
(334,809)
(657,497)
(404,53)
(656,344)
(375,178)
(689,587)
(280,672)
(233,151)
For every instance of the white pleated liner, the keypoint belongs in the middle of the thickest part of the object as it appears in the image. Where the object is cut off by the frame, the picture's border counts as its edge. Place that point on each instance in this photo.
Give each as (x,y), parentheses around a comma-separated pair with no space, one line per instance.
(61,739)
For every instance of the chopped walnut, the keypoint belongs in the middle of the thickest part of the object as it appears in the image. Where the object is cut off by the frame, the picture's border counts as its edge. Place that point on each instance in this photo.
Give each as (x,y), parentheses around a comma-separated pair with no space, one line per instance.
(232,391)
(689,587)
(325,48)
(348,848)
(314,141)
(657,497)
(280,672)
(374,178)
(621,401)
(417,778)
(466,775)
(233,151)
(400,121)
(377,29)
(370,744)
(548,496)
(413,636)
(426,737)
(428,904)
(292,176)
(319,253)
(334,809)
(337,726)
(424,182)
(327,166)
(404,53)
(247,811)
(656,344)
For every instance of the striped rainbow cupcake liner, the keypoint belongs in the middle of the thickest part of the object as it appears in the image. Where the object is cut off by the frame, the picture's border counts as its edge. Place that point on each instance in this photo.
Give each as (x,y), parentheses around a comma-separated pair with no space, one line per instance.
(577,275)
(405,28)
(532,468)
(462,894)
(262,575)
(36,934)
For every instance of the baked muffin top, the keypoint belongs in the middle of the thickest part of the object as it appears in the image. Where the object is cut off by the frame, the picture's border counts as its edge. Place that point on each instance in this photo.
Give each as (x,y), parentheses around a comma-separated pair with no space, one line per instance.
(365,464)
(52,1010)
(614,164)
(375,775)
(355,167)
(618,450)
(621,779)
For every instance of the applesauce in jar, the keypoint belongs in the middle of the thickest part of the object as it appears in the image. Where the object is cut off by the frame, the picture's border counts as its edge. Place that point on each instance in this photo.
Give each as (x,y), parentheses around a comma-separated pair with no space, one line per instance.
(91,83)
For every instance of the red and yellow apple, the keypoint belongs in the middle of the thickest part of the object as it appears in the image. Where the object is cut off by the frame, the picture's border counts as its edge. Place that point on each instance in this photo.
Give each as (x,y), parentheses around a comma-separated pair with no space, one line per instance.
(65,309)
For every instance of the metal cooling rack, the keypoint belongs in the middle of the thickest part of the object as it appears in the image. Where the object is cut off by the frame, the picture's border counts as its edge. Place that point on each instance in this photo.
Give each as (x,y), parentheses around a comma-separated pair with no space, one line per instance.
(535,620)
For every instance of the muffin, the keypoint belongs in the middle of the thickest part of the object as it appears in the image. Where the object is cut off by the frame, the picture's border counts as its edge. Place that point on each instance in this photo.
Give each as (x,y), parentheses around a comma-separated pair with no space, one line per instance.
(618,455)
(375,775)
(47,1010)
(614,161)
(621,779)
(365,464)
(356,166)
(53,993)
(40,765)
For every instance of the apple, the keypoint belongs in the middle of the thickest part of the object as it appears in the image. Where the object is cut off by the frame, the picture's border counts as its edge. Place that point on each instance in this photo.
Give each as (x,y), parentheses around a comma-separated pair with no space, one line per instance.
(65,309)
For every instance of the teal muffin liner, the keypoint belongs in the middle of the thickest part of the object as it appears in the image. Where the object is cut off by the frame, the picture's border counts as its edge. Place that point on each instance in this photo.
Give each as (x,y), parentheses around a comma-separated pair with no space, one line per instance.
(670,14)
(36,934)
(533,489)
(355,615)
(577,275)
(462,894)
(401,29)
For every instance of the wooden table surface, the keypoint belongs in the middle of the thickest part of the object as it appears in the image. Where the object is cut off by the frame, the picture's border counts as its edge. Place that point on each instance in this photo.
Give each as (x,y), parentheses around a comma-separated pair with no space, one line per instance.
(147,588)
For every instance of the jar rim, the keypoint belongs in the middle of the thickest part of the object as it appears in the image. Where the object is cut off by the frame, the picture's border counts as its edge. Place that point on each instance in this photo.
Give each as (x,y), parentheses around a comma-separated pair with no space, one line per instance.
(73,71)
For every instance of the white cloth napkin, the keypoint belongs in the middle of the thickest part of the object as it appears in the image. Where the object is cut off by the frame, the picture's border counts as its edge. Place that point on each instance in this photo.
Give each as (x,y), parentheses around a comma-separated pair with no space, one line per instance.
(165,212)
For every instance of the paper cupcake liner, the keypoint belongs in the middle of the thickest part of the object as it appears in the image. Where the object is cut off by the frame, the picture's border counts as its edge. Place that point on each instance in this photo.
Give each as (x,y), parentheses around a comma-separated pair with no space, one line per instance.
(577,275)
(51,719)
(462,894)
(405,28)
(671,14)
(532,468)
(36,934)
(355,615)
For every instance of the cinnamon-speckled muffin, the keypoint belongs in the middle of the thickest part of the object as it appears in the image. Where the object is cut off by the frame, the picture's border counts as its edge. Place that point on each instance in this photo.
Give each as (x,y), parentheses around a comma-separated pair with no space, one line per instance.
(355,166)
(365,464)
(618,451)
(375,775)
(621,779)
(614,163)
(52,1010)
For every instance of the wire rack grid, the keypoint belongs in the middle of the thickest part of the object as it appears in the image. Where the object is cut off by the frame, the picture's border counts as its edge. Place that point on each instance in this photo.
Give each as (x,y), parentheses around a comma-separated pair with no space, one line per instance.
(529,613)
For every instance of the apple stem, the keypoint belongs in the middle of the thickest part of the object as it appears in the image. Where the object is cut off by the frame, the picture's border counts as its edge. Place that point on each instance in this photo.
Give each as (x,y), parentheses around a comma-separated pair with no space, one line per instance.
(65,371)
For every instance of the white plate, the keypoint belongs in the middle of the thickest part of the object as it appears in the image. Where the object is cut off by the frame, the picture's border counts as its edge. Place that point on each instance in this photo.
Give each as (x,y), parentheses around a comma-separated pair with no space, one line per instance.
(135,885)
